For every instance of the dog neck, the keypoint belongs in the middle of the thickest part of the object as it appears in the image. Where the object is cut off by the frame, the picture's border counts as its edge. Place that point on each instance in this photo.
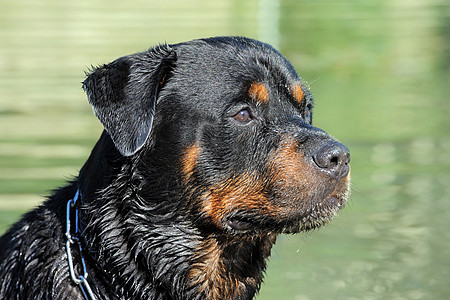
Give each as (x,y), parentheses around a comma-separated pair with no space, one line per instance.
(230,268)
(173,259)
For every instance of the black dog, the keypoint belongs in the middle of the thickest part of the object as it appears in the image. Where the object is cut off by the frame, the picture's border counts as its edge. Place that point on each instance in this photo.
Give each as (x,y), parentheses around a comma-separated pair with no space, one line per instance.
(208,154)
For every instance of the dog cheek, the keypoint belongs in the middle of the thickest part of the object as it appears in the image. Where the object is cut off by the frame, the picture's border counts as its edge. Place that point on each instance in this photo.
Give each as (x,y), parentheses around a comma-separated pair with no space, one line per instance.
(291,172)
(243,194)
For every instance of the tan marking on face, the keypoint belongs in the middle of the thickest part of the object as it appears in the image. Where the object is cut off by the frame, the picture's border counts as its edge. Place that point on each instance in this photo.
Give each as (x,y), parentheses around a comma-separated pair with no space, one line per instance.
(189,160)
(259,92)
(243,193)
(290,167)
(297,92)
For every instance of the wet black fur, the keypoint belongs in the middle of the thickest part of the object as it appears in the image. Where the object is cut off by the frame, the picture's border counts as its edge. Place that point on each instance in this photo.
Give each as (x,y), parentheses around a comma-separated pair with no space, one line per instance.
(139,231)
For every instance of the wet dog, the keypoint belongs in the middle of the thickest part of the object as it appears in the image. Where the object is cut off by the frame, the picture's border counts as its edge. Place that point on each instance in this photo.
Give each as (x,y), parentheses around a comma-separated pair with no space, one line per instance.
(208,154)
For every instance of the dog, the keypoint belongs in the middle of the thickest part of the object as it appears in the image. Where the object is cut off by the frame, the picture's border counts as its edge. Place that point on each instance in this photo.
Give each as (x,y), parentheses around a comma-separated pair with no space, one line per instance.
(208,153)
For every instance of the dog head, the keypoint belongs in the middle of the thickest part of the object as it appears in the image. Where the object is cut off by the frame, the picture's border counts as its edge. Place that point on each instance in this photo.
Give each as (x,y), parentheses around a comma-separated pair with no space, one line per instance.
(229,122)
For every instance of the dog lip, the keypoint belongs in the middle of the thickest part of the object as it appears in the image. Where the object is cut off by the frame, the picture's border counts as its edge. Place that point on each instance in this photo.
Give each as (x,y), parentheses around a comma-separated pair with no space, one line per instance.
(318,215)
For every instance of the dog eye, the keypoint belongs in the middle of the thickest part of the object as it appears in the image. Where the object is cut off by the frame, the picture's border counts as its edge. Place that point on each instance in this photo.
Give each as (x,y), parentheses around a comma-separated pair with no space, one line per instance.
(243,116)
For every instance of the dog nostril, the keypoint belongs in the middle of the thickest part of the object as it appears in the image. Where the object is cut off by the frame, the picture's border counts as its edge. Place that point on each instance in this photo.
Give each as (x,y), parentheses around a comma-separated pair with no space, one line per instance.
(333,158)
(334,161)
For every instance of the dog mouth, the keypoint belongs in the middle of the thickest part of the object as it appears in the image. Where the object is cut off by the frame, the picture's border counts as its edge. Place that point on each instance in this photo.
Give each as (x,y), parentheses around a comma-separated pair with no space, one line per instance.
(239,224)
(294,221)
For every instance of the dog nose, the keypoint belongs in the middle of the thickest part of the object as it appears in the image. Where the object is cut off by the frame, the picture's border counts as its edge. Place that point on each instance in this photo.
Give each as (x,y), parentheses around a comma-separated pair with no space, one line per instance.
(333,158)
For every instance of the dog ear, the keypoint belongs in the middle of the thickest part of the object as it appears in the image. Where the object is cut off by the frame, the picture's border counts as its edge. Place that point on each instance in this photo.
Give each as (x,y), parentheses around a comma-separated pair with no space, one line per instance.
(123,95)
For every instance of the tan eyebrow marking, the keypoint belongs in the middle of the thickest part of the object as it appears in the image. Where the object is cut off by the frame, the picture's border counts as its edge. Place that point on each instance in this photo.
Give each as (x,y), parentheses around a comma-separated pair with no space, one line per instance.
(258,91)
(297,92)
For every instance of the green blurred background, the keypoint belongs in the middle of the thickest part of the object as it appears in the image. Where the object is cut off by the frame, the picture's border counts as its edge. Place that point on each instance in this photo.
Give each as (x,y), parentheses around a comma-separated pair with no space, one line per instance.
(379,71)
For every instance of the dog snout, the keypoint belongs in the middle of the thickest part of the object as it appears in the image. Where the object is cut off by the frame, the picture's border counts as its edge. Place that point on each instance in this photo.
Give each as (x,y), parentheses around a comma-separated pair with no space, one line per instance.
(333,158)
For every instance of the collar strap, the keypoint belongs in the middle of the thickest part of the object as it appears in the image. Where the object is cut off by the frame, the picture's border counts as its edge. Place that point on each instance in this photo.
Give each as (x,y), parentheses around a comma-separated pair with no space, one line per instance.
(74,240)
